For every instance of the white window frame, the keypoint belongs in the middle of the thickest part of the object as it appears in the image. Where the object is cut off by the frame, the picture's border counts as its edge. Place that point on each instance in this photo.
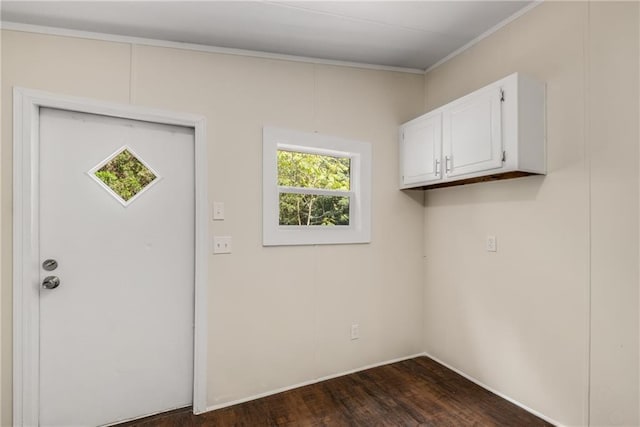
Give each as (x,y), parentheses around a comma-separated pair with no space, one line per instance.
(359,228)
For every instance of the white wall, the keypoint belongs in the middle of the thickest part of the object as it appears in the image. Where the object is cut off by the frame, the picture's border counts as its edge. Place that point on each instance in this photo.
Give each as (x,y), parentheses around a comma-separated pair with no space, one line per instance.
(550,320)
(552,317)
(613,85)
(277,316)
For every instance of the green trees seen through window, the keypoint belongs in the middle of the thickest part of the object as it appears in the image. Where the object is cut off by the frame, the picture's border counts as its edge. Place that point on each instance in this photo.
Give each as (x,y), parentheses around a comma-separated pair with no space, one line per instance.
(125,175)
(319,172)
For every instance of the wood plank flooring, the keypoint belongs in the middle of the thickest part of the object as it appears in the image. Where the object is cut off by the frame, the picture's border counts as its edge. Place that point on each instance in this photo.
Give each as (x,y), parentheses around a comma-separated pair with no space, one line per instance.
(415,392)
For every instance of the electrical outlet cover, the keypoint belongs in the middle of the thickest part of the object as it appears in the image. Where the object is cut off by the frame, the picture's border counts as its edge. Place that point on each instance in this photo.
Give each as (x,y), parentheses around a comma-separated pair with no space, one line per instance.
(492,244)
(221,244)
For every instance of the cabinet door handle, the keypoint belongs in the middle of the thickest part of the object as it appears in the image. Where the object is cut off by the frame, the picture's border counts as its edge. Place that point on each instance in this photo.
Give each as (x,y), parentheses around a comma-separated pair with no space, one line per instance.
(447,163)
(437,167)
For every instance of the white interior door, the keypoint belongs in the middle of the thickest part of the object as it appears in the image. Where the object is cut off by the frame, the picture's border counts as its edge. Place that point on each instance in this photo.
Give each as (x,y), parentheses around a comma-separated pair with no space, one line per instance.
(421,150)
(472,133)
(116,335)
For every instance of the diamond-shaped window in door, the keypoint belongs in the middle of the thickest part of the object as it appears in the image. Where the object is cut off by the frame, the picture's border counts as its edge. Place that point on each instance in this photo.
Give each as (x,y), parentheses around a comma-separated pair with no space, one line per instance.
(124,175)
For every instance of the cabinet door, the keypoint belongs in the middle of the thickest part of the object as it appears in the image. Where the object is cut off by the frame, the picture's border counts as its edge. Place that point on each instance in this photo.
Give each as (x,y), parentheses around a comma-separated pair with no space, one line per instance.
(421,150)
(472,133)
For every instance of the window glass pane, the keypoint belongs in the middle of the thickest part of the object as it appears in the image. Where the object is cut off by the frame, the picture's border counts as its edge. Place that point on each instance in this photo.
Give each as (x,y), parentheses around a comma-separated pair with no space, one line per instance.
(311,209)
(125,175)
(313,171)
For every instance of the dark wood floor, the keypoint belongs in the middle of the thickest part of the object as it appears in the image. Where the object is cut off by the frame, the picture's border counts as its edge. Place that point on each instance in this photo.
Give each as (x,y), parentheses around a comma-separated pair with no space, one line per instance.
(409,393)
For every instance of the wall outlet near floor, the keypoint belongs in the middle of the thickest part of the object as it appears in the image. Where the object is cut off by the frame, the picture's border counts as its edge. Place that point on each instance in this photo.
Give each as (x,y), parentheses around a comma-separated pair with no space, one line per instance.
(355,331)
(221,244)
(492,244)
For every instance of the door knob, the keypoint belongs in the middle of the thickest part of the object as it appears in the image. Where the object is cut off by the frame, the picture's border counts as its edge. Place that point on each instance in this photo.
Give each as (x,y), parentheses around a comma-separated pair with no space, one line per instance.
(51,282)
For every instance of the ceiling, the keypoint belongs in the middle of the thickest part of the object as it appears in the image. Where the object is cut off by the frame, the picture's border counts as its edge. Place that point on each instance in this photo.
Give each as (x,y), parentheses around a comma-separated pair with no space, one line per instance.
(407,34)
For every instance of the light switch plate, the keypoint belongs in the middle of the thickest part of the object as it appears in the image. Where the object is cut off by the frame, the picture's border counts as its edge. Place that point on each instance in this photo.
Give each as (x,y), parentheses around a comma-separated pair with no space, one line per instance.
(221,244)
(218,211)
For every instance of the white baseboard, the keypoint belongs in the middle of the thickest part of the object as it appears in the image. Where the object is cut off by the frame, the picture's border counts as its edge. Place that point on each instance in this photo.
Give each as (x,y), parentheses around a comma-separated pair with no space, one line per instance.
(497,393)
(305,383)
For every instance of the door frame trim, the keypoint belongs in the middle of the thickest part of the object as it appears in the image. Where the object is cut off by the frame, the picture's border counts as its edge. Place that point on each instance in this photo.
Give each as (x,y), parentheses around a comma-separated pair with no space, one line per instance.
(26,271)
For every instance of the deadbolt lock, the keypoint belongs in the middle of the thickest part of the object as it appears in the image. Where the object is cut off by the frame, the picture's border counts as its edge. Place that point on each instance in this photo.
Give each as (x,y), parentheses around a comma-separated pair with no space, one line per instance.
(50,264)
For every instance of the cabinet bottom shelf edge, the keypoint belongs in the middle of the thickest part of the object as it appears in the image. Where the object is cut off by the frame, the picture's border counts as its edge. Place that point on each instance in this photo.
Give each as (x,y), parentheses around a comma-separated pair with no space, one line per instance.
(485,178)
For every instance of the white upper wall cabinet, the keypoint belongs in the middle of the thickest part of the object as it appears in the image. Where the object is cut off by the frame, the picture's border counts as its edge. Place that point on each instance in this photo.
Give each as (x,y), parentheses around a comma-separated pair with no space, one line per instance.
(496,132)
(472,133)
(421,150)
